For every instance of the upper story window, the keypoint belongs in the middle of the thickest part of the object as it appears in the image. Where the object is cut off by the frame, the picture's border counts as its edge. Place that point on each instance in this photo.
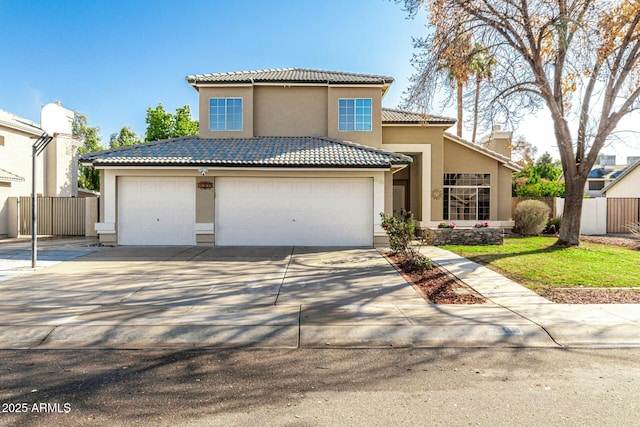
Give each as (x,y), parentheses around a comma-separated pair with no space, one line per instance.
(225,114)
(354,114)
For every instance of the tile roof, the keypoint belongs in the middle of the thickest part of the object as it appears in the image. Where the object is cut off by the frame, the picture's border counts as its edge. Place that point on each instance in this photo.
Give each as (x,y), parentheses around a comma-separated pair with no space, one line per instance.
(306,151)
(600,173)
(502,159)
(619,178)
(19,123)
(289,75)
(6,176)
(390,115)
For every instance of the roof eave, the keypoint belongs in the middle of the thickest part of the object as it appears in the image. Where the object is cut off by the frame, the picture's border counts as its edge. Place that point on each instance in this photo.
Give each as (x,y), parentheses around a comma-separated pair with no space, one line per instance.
(23,128)
(236,165)
(418,123)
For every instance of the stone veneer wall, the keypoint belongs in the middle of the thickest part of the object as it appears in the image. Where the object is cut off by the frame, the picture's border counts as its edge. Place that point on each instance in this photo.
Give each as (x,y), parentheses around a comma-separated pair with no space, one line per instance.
(464,236)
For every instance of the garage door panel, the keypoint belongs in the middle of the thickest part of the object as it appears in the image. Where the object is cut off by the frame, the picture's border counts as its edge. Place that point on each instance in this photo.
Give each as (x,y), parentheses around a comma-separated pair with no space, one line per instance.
(156,211)
(294,211)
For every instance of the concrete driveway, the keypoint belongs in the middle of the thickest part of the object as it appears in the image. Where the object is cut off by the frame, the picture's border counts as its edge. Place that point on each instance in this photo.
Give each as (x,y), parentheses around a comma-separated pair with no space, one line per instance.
(141,297)
(187,276)
(199,297)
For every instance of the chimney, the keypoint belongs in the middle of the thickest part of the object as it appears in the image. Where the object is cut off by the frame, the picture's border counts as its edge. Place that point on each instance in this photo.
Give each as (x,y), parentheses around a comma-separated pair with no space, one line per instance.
(498,141)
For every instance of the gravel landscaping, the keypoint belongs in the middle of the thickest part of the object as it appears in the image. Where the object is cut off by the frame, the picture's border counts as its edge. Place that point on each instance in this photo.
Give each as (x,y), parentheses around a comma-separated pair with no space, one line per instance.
(437,285)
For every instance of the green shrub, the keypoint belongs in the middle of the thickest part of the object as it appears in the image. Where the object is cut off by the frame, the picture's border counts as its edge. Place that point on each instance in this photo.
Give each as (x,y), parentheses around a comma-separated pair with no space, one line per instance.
(401,230)
(419,263)
(553,226)
(530,217)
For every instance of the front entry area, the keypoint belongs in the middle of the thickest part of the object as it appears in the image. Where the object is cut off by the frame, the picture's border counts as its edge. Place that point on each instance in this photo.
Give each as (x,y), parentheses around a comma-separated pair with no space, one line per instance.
(293,211)
(407,188)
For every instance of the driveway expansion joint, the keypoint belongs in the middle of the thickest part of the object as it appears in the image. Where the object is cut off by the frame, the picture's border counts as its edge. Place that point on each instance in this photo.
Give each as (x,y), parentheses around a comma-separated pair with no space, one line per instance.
(284,276)
(46,336)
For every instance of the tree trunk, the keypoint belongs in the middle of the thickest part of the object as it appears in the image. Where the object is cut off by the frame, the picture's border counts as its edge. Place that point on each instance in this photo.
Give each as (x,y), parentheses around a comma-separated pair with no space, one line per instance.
(459,90)
(571,217)
(475,109)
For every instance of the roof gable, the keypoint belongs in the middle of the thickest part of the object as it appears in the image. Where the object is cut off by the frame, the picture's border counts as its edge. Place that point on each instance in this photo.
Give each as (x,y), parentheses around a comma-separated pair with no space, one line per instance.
(620,177)
(506,161)
(6,176)
(302,152)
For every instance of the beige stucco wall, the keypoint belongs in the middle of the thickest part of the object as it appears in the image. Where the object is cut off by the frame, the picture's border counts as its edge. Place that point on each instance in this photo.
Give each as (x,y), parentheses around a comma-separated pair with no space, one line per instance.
(372,138)
(402,134)
(388,193)
(15,157)
(460,159)
(290,111)
(504,193)
(61,166)
(244,92)
(205,201)
(629,186)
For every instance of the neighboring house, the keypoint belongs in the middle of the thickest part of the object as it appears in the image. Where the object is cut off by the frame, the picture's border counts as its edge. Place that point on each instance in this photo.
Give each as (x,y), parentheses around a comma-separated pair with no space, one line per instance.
(606,173)
(57,166)
(627,183)
(298,157)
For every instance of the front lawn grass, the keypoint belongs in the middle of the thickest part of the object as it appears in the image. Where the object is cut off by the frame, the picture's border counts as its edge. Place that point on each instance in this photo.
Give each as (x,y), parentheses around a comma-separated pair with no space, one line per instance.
(536,263)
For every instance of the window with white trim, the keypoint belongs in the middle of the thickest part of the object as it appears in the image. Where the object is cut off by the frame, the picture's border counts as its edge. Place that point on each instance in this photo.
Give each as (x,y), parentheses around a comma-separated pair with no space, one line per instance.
(225,114)
(466,196)
(354,114)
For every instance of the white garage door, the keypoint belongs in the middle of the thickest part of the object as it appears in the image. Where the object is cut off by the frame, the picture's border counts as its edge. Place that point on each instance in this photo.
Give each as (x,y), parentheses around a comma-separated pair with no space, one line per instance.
(156,211)
(294,211)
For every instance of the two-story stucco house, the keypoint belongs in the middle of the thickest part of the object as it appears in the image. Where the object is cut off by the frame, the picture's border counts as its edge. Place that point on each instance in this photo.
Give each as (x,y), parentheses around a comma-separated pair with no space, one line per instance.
(298,157)
(57,165)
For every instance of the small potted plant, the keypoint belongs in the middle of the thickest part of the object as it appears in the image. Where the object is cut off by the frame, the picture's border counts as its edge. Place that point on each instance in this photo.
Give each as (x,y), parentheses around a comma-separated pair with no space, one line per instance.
(447,225)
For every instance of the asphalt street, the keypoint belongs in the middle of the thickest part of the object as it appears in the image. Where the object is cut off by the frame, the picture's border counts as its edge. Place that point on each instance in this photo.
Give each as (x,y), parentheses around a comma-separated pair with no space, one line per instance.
(315,387)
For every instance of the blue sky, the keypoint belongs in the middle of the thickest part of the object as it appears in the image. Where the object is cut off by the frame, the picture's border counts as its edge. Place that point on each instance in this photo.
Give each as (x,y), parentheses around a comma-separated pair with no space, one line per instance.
(113,60)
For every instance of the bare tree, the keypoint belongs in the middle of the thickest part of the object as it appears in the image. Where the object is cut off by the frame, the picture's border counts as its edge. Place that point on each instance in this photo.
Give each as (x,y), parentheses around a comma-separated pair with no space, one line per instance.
(578,58)
(523,152)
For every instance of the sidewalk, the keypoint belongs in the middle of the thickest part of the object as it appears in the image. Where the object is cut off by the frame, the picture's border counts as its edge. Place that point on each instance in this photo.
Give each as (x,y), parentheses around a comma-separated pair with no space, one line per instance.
(569,325)
(15,253)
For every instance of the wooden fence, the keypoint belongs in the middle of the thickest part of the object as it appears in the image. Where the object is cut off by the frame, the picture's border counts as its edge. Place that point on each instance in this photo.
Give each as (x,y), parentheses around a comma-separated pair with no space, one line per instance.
(549,201)
(622,212)
(57,216)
